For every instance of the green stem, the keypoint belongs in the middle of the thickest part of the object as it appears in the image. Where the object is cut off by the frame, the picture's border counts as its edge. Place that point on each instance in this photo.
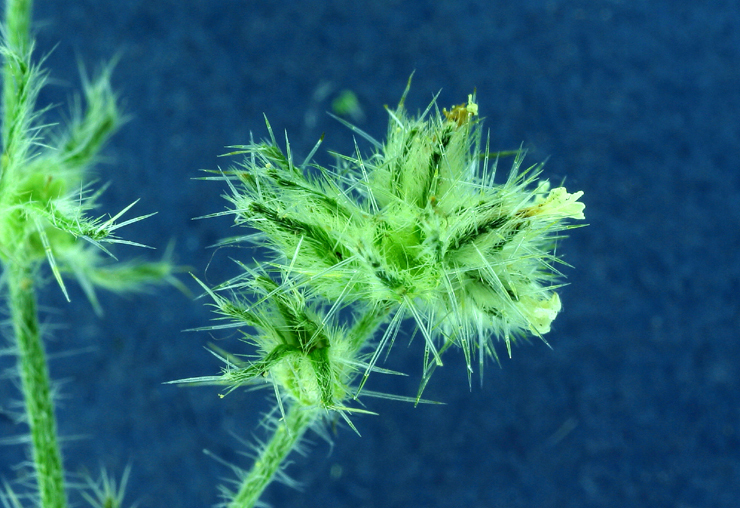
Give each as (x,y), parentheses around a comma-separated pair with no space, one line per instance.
(286,437)
(36,387)
(18,39)
(19,270)
(18,24)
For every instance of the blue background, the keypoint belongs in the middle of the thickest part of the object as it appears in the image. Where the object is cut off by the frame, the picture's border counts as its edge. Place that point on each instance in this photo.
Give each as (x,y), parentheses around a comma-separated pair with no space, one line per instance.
(635,102)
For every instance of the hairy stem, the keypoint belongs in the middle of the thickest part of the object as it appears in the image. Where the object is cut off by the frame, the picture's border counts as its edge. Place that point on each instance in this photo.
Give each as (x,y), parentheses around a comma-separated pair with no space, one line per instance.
(18,23)
(286,437)
(36,387)
(18,38)
(19,270)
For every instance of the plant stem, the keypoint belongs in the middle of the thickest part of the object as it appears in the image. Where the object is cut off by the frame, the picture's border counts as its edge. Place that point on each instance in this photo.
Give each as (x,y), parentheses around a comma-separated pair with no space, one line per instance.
(18,24)
(286,437)
(18,38)
(36,388)
(19,270)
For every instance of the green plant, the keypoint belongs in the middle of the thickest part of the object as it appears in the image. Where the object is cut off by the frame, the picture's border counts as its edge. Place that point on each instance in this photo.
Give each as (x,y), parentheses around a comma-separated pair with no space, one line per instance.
(419,230)
(46,214)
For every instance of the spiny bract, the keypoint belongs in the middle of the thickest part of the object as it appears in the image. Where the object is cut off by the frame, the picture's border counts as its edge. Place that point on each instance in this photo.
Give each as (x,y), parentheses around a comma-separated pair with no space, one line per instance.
(307,355)
(420,228)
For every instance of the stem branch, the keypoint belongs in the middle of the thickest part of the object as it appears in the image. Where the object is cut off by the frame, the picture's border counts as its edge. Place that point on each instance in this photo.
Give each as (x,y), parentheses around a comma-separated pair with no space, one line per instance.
(287,435)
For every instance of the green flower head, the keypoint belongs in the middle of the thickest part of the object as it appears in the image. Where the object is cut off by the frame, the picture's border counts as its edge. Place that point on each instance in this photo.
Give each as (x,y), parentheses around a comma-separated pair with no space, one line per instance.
(420,227)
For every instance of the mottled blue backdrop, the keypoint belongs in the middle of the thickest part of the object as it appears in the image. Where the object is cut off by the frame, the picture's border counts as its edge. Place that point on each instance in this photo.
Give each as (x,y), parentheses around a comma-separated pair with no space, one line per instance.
(636,102)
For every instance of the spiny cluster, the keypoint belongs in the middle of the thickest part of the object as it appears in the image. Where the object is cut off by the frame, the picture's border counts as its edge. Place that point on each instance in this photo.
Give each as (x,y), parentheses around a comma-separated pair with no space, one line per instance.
(45,197)
(418,229)
(301,350)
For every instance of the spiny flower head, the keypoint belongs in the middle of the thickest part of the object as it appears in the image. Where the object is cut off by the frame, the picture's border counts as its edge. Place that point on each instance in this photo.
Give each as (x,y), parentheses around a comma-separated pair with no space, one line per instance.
(419,227)
(301,349)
